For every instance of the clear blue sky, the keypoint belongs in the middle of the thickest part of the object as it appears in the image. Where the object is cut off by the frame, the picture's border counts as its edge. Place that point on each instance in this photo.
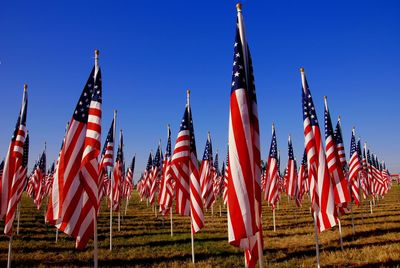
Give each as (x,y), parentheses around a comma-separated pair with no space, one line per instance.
(151,52)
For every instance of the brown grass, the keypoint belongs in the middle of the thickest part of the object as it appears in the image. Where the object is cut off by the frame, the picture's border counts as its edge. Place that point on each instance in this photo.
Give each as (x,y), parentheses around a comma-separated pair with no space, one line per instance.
(145,241)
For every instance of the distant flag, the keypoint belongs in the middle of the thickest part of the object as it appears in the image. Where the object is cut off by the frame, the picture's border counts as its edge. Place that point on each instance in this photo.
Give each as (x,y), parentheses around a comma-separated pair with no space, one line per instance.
(271,175)
(39,175)
(206,174)
(339,144)
(156,175)
(354,170)
(146,184)
(216,178)
(321,186)
(302,181)
(107,160)
(291,172)
(118,174)
(184,170)
(76,178)
(340,184)
(244,182)
(226,176)
(167,184)
(129,179)
(49,180)
(14,172)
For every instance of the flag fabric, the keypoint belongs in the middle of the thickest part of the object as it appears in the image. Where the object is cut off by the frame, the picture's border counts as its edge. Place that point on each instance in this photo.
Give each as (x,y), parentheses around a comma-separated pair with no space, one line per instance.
(166,184)
(339,144)
(49,180)
(206,175)
(291,172)
(321,186)
(271,174)
(354,170)
(340,184)
(244,181)
(39,175)
(226,176)
(302,179)
(118,174)
(129,179)
(146,184)
(156,175)
(106,160)
(75,185)
(14,172)
(184,170)
(216,178)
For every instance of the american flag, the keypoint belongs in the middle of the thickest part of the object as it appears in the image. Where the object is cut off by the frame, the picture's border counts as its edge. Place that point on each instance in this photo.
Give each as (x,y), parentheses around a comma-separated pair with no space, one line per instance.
(184,170)
(226,176)
(129,179)
(166,185)
(49,180)
(14,173)
(206,175)
(340,184)
(146,185)
(118,174)
(244,182)
(216,178)
(321,186)
(339,144)
(354,169)
(156,175)
(39,176)
(291,172)
(272,189)
(302,181)
(75,185)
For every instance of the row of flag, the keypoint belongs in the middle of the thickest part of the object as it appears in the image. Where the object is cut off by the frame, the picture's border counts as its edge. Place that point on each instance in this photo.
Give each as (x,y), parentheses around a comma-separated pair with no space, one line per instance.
(83,174)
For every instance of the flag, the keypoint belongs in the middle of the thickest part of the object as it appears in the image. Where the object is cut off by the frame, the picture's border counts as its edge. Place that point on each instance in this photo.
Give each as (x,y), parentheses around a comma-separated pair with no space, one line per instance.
(156,175)
(39,176)
(129,179)
(354,170)
(206,175)
(118,174)
(291,172)
(321,186)
(271,175)
(339,144)
(184,170)
(14,172)
(106,160)
(244,189)
(216,178)
(75,185)
(340,184)
(146,183)
(302,179)
(226,176)
(166,184)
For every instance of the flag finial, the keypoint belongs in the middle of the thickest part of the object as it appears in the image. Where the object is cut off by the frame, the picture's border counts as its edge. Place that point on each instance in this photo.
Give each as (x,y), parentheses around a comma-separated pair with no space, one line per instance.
(301,70)
(96,53)
(239,7)
(188,96)
(25,87)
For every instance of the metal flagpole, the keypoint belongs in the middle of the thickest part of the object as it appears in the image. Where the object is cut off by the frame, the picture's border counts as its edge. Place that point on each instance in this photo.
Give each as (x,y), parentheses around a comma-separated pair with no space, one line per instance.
(192,238)
(316,239)
(273,218)
(56,235)
(9,252)
(340,234)
(111,181)
(172,231)
(95,246)
(18,216)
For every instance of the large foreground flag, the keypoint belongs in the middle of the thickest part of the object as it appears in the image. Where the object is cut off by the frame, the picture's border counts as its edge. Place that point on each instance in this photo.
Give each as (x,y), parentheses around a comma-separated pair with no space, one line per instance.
(14,171)
(244,182)
(185,172)
(75,185)
(321,188)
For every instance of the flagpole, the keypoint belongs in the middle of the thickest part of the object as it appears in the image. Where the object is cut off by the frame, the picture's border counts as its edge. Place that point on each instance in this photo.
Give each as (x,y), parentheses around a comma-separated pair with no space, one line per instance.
(366,161)
(9,252)
(111,182)
(192,238)
(172,232)
(340,234)
(18,215)
(273,218)
(56,235)
(316,239)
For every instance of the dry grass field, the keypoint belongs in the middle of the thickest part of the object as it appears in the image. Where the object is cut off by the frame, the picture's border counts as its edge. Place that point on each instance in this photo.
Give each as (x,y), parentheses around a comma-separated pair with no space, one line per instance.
(145,241)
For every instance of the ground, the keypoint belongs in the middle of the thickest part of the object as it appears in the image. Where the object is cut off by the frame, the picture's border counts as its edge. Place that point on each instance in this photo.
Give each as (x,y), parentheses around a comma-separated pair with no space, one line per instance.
(145,240)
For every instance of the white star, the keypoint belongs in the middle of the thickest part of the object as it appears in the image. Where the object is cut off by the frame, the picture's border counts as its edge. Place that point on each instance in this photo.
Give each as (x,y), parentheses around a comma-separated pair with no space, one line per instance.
(237,55)
(237,74)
